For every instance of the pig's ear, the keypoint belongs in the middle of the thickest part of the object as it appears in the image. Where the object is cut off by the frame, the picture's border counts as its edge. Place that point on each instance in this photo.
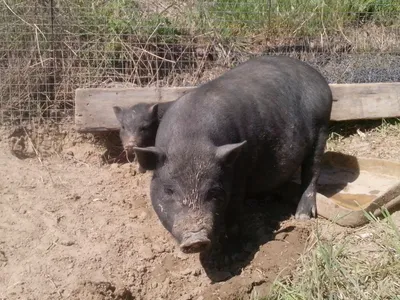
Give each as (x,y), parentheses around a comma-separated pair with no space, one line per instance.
(153,110)
(149,157)
(227,154)
(118,113)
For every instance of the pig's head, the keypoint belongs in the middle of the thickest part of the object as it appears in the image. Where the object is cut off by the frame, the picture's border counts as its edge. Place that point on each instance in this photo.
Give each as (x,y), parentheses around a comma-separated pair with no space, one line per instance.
(138,125)
(190,190)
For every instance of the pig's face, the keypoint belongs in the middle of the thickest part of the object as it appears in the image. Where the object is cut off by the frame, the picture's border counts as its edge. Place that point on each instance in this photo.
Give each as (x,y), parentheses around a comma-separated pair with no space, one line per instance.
(188,198)
(190,191)
(138,125)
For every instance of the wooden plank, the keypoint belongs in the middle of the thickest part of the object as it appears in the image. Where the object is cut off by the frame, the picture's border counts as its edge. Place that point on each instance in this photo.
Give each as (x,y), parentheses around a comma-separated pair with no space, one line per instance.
(365,101)
(93,107)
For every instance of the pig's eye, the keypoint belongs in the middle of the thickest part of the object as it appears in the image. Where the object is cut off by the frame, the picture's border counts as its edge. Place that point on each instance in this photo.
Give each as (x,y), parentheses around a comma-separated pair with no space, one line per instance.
(142,128)
(169,191)
(123,127)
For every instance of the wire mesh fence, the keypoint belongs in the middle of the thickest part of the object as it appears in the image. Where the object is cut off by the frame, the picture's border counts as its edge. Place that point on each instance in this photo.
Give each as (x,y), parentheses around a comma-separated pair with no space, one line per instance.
(48,48)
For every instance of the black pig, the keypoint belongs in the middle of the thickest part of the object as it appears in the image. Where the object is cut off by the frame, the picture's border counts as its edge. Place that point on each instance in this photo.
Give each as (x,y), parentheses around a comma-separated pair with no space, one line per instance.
(242,134)
(139,123)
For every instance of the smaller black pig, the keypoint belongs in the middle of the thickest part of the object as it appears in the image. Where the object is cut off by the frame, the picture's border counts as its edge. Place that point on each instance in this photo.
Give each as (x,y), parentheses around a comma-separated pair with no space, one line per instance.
(139,123)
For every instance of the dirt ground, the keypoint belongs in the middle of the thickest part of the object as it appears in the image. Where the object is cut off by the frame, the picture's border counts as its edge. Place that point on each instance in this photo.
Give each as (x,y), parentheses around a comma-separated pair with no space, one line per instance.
(73,227)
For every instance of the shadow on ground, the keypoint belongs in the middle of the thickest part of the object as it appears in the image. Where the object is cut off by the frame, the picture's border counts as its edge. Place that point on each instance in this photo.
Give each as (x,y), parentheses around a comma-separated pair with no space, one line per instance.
(261,220)
(262,217)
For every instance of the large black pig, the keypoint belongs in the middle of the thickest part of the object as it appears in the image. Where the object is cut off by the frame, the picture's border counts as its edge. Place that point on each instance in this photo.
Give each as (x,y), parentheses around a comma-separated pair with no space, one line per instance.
(239,135)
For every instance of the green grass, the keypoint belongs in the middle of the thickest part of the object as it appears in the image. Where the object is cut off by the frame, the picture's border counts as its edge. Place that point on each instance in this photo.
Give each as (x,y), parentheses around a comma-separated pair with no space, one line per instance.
(228,17)
(364,264)
(294,17)
(228,20)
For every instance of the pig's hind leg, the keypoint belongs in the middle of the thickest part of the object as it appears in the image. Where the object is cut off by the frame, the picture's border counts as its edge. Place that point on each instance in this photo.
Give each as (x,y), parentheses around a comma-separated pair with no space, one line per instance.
(310,170)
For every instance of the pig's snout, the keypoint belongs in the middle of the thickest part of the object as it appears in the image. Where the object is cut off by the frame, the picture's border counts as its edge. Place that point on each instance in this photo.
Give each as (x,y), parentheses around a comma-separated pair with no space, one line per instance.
(195,242)
(129,145)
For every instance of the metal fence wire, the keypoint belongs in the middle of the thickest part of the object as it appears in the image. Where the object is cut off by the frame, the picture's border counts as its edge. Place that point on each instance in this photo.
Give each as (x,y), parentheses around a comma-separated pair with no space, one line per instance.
(48,48)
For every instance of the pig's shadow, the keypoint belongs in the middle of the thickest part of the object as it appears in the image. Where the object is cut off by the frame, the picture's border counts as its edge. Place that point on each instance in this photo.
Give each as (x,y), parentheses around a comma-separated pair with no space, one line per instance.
(261,217)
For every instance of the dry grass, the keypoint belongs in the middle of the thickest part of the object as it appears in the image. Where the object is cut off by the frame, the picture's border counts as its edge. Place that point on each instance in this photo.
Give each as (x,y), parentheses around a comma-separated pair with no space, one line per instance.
(384,127)
(377,139)
(351,263)
(357,264)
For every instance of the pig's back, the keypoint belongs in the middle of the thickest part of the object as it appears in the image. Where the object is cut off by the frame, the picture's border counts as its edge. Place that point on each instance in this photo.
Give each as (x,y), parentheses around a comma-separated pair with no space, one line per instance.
(258,100)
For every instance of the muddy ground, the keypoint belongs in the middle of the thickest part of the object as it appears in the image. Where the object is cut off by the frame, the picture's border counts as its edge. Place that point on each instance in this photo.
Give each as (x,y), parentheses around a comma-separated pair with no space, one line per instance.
(74,227)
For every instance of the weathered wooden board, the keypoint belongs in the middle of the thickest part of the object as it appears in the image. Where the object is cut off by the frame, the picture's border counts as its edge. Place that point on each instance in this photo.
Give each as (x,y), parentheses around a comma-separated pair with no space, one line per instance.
(365,101)
(93,107)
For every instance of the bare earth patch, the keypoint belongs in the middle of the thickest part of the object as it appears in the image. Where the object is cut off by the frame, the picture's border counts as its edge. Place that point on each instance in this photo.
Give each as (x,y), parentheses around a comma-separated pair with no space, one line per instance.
(72,227)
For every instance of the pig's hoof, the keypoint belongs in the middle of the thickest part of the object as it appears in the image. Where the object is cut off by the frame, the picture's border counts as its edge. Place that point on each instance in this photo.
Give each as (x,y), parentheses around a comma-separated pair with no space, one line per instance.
(302,216)
(306,209)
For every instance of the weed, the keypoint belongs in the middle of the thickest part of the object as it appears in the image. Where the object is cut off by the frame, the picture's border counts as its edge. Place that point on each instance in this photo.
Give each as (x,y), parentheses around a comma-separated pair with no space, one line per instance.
(363,264)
